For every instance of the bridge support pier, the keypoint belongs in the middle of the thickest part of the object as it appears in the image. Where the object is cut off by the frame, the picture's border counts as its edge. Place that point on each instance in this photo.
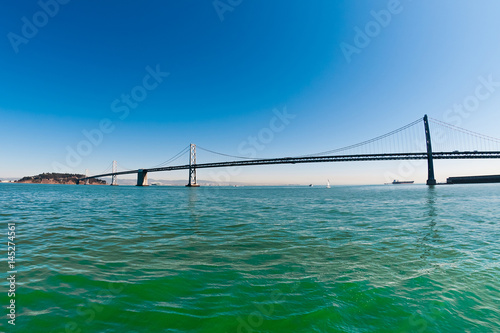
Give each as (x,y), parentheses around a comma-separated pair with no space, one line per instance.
(87,180)
(113,177)
(192,166)
(142,178)
(430,163)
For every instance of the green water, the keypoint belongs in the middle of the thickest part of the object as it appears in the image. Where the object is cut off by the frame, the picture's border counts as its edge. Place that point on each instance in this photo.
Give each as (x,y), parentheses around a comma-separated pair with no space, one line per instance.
(252,259)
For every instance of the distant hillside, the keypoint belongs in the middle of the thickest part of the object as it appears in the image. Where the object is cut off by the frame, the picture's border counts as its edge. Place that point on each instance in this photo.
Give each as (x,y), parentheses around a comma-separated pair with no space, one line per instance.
(58,178)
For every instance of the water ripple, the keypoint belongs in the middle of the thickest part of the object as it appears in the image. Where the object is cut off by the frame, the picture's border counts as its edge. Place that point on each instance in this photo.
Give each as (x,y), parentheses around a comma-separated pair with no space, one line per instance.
(172,259)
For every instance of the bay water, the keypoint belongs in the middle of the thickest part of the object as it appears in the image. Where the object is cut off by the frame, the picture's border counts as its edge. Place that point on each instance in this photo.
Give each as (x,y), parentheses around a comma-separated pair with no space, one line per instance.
(389,258)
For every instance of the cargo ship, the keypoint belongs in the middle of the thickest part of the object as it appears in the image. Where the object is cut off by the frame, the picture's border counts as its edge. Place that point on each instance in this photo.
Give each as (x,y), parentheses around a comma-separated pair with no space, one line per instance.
(403,181)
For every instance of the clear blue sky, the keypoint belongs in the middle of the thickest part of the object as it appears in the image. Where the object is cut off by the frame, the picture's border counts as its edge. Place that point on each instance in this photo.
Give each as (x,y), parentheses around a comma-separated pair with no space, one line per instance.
(65,68)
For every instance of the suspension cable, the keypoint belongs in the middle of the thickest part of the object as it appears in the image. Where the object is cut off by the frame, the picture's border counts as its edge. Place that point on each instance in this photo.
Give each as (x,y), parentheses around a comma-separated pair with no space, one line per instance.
(214,152)
(122,167)
(175,157)
(367,141)
(105,170)
(329,151)
(463,130)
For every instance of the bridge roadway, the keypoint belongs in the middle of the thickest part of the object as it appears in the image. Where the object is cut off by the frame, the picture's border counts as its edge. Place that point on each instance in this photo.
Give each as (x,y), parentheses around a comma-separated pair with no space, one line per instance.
(317,159)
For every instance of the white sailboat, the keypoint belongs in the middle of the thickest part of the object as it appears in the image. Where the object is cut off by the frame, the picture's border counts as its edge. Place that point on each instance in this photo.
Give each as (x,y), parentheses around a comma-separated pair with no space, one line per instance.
(328,183)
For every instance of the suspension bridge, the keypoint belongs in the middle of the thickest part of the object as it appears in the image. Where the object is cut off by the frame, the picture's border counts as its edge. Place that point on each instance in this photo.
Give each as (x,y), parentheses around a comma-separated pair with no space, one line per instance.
(410,142)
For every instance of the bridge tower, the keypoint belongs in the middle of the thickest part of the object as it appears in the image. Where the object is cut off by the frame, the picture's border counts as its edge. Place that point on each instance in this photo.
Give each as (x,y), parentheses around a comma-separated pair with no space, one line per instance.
(430,163)
(113,177)
(86,175)
(192,166)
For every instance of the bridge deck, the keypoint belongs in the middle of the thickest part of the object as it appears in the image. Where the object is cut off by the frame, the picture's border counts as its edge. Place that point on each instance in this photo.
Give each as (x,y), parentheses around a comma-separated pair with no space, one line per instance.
(319,159)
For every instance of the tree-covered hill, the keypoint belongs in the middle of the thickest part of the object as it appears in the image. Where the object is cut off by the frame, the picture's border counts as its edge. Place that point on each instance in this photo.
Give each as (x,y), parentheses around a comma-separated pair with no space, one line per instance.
(58,178)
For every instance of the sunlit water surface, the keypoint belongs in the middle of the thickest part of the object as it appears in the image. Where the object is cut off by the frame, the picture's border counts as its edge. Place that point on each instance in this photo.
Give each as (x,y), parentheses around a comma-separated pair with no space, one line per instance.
(389,258)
